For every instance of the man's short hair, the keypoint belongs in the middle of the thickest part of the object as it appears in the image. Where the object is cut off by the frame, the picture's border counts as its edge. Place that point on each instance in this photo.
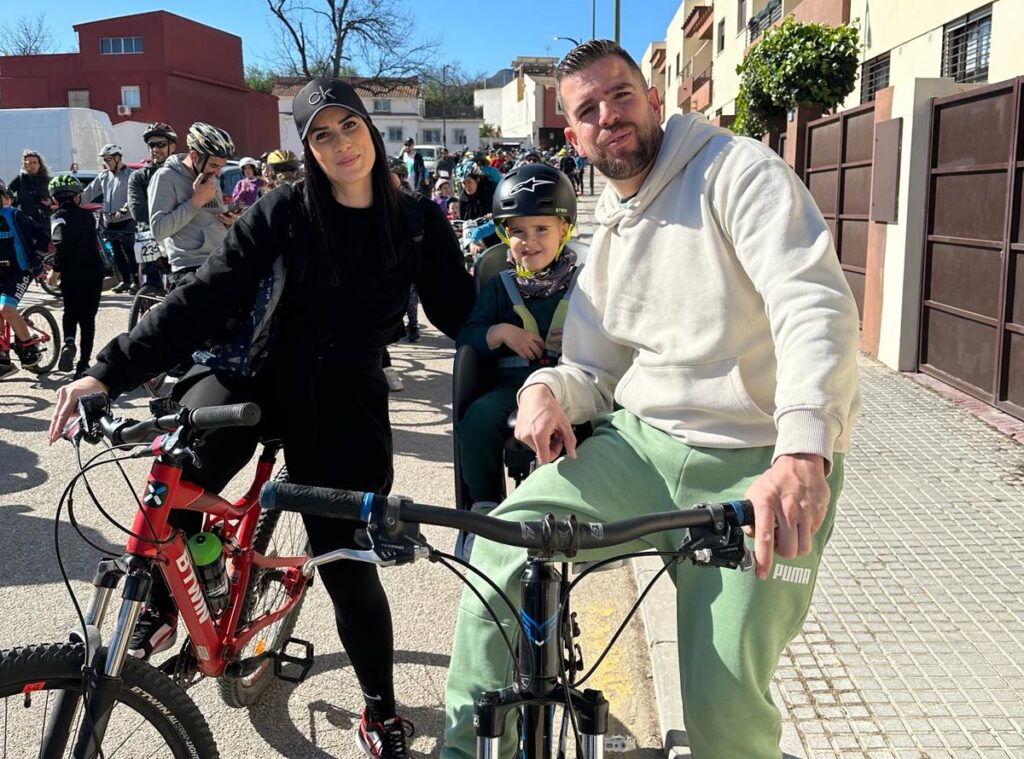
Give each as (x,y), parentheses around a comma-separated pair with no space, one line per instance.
(582,56)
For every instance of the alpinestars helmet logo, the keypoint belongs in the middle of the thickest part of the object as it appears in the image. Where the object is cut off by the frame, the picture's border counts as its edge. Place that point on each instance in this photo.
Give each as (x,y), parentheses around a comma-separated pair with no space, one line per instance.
(530,185)
(156,493)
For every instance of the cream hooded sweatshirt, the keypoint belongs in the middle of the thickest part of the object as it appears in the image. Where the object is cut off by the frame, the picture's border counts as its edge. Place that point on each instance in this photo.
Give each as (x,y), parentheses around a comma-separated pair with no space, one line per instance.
(712,305)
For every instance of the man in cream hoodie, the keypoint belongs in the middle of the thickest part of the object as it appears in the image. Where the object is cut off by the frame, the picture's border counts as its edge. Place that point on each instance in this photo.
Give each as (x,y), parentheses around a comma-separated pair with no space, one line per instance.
(713,315)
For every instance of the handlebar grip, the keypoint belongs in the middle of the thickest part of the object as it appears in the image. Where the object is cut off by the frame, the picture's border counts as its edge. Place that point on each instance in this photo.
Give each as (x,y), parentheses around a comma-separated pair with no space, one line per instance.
(235,415)
(316,501)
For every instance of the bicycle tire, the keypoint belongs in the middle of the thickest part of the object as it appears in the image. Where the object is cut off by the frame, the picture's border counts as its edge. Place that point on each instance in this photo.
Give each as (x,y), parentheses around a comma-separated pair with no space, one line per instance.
(241,692)
(145,299)
(41,319)
(27,671)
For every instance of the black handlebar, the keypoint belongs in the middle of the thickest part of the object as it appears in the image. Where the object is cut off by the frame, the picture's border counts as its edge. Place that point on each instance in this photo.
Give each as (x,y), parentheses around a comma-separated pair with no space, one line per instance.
(215,417)
(94,415)
(566,536)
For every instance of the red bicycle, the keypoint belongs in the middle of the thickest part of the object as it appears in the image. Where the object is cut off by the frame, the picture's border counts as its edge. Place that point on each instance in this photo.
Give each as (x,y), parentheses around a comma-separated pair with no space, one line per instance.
(45,335)
(89,699)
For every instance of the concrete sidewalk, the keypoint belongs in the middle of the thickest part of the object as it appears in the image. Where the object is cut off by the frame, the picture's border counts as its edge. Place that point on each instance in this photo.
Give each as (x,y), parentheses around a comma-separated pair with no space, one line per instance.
(914,645)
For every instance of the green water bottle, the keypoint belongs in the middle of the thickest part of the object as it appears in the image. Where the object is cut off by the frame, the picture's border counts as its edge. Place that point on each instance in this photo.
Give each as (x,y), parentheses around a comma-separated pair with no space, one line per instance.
(208,556)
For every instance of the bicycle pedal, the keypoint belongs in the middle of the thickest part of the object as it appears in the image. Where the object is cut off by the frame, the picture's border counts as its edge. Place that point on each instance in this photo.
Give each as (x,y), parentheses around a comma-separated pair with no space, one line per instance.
(303,663)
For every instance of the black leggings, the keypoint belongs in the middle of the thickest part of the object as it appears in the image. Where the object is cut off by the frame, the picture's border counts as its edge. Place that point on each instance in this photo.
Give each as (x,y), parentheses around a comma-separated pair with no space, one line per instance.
(80,308)
(361,608)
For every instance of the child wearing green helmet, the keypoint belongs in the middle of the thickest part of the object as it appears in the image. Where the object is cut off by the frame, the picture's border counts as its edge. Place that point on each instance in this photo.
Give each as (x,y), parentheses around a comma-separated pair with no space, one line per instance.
(80,267)
(518,317)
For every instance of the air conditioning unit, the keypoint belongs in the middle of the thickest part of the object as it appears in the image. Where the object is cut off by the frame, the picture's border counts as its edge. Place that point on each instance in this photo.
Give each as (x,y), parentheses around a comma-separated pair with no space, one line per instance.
(124,110)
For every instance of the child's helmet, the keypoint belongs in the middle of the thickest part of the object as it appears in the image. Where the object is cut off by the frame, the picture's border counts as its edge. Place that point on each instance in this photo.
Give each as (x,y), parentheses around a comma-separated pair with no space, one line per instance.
(535,190)
(283,160)
(63,185)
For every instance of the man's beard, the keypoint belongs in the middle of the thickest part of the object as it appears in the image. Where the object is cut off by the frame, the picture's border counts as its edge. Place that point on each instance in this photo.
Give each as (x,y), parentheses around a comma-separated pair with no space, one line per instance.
(631,164)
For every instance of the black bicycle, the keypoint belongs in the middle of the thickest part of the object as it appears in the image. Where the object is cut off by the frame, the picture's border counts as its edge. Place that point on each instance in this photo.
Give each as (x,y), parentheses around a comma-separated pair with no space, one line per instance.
(547,668)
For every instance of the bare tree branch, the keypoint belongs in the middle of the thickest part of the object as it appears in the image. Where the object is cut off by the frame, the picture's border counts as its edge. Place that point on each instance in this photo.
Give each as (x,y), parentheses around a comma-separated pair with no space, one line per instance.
(26,36)
(337,37)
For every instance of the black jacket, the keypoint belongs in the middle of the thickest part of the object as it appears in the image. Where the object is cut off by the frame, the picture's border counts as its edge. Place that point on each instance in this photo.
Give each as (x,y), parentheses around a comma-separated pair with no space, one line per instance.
(479,203)
(29,190)
(317,322)
(78,258)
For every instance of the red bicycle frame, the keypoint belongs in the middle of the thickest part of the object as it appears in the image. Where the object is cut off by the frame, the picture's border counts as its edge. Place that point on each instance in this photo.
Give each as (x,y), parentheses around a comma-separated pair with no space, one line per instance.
(215,639)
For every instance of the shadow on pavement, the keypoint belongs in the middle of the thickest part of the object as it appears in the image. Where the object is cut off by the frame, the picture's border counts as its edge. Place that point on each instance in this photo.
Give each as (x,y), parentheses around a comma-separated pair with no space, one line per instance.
(20,470)
(30,559)
(17,414)
(268,717)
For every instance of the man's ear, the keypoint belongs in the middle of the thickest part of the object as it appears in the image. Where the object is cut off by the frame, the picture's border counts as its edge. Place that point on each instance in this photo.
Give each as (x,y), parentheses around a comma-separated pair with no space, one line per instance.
(570,135)
(654,100)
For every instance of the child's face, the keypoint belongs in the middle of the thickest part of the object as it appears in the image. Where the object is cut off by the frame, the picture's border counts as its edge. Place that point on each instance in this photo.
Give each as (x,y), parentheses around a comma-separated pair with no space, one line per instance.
(534,240)
(7,200)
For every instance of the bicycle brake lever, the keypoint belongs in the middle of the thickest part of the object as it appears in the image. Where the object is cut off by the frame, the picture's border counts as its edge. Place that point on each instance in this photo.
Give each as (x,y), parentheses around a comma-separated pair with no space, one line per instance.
(718,544)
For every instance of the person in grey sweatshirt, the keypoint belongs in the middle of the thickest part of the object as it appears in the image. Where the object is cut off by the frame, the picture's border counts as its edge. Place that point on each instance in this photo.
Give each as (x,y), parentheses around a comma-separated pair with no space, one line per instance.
(186,210)
(712,342)
(111,187)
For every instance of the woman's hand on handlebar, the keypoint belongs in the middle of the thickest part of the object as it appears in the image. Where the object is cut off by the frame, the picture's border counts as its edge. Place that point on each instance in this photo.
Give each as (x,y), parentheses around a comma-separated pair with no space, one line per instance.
(542,424)
(67,403)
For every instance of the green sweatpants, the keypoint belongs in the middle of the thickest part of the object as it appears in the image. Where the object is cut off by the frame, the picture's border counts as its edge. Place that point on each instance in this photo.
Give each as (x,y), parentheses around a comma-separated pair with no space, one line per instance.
(732,627)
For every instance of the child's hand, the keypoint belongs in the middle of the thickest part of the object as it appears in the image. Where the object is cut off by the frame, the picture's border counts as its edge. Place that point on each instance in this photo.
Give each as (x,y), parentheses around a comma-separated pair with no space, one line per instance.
(525,344)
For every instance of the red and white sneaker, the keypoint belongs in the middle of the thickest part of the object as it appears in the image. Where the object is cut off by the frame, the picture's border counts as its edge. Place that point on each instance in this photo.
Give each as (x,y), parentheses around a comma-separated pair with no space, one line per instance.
(154,632)
(385,740)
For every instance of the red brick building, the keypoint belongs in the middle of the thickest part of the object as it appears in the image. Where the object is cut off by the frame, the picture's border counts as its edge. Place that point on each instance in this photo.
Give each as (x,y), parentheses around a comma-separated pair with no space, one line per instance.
(148,67)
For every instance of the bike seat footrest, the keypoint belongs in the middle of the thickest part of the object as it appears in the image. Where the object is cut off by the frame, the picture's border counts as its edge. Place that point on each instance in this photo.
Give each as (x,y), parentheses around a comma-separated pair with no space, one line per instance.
(304,661)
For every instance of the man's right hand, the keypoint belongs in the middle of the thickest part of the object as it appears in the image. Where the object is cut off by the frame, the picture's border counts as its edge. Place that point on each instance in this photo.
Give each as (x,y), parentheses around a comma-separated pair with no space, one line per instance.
(542,424)
(204,189)
(67,403)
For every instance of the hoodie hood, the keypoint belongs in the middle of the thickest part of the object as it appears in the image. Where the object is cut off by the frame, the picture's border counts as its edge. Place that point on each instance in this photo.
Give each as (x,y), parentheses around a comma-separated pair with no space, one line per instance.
(177,165)
(685,135)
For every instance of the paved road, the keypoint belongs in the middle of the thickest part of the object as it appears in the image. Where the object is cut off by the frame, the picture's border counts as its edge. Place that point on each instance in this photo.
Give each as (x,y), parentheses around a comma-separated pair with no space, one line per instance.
(316,718)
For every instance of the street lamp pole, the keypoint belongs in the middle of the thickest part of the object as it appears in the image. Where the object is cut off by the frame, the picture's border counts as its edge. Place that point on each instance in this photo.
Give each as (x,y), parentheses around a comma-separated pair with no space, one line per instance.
(444,116)
(573,40)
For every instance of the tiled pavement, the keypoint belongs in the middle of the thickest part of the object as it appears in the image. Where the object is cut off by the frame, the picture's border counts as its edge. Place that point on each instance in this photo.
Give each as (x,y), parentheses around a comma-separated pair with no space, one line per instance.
(914,645)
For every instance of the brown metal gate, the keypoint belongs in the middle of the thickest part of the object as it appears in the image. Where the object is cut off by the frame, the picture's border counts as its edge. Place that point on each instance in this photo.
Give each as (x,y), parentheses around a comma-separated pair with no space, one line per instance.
(972,311)
(838,173)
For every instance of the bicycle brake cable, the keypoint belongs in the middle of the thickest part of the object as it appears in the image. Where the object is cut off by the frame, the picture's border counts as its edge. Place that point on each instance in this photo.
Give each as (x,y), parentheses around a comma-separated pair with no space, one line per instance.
(441,558)
(632,610)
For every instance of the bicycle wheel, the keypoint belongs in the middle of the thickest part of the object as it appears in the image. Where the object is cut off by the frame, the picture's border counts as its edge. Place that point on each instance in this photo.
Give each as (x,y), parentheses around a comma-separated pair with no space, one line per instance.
(42,323)
(277,534)
(145,299)
(151,717)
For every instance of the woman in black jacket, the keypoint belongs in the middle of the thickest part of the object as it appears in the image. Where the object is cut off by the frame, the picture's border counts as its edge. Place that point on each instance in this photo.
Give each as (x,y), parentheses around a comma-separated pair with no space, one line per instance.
(351,245)
(31,193)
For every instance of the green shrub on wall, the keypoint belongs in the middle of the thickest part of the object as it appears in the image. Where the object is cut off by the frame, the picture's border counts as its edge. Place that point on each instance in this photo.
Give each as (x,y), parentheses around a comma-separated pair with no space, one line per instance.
(795,63)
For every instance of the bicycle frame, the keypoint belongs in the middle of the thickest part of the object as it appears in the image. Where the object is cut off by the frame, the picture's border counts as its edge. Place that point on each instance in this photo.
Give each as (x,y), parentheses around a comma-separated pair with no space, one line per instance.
(540,686)
(216,641)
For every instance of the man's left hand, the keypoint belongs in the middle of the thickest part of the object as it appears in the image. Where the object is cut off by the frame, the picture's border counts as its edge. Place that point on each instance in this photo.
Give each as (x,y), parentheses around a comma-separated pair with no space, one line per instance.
(790,502)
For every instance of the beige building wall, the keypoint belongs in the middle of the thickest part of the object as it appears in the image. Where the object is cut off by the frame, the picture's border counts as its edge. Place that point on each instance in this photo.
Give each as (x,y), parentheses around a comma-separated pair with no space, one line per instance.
(726,81)
(655,77)
(912,34)
(677,54)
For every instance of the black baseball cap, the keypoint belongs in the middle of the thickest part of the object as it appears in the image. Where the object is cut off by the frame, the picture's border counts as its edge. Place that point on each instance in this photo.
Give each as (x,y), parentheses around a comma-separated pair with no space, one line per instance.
(324,92)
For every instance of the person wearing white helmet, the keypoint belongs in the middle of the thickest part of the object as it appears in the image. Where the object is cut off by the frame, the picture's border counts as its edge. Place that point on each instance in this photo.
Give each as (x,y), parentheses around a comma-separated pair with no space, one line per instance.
(118,225)
(249,188)
(186,210)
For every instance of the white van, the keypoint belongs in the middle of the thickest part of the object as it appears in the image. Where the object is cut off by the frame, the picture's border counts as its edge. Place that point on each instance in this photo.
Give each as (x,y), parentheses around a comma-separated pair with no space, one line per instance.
(64,137)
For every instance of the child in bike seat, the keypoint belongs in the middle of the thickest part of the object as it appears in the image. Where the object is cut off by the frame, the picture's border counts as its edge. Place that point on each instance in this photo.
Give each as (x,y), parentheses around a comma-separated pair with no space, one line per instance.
(81,268)
(518,317)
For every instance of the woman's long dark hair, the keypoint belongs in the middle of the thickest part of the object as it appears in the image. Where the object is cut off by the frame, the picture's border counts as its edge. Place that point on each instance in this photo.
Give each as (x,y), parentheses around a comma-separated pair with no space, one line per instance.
(328,258)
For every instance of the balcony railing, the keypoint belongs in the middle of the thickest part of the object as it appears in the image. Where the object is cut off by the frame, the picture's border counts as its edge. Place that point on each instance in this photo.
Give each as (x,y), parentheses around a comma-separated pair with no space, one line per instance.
(761,21)
(701,97)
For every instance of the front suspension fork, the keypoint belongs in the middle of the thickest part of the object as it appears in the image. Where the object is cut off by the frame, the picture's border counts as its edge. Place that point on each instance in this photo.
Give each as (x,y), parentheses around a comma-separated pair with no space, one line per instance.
(100,688)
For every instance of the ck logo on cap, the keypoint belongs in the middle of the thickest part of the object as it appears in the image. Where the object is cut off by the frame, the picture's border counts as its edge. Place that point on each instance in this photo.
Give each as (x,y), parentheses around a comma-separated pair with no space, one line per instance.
(320,95)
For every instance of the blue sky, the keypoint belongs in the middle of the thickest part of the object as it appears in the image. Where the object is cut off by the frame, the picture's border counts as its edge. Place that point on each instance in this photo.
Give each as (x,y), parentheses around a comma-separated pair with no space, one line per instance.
(482,35)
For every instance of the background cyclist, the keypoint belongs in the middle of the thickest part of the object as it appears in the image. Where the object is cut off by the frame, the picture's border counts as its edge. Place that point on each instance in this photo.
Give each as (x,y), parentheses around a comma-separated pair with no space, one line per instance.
(111,185)
(20,240)
(186,211)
